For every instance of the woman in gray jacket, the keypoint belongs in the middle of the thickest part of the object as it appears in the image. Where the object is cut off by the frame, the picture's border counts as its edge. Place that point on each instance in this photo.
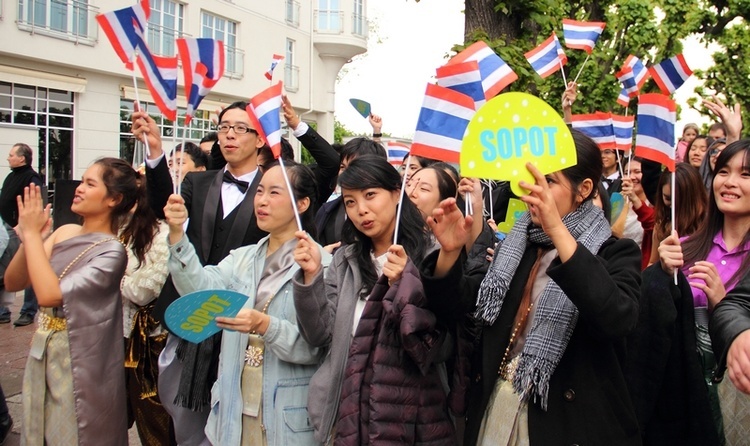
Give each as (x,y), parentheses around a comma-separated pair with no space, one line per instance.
(260,395)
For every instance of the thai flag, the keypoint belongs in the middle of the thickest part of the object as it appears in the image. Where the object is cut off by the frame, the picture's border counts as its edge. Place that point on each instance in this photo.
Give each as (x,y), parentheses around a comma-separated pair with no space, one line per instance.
(465,78)
(623,126)
(124,29)
(441,125)
(264,110)
(671,73)
(656,119)
(640,73)
(627,79)
(396,152)
(496,74)
(623,98)
(275,61)
(547,57)
(582,35)
(202,66)
(597,126)
(160,74)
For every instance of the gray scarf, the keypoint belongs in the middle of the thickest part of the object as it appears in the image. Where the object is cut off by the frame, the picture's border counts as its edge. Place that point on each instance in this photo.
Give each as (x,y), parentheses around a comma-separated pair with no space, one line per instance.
(556,315)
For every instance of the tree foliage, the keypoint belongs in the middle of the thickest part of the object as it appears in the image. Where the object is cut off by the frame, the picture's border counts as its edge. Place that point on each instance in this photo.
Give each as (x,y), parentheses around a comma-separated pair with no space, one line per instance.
(649,29)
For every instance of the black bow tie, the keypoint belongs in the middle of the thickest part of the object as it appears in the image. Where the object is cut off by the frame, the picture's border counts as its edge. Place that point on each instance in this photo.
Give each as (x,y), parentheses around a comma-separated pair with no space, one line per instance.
(241,185)
(607,181)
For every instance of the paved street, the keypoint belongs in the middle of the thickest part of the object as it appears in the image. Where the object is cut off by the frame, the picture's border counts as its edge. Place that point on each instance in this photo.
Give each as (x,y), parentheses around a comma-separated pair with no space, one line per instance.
(14,346)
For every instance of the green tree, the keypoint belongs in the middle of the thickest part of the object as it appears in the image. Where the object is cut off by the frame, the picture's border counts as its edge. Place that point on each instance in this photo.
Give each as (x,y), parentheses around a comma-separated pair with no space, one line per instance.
(651,30)
(339,132)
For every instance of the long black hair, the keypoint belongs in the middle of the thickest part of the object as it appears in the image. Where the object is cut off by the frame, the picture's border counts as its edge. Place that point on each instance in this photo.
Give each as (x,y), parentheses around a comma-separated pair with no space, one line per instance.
(129,186)
(371,171)
(698,245)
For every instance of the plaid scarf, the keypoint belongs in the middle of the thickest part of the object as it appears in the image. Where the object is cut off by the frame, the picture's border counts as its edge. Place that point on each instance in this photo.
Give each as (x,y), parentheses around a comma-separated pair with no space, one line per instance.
(556,315)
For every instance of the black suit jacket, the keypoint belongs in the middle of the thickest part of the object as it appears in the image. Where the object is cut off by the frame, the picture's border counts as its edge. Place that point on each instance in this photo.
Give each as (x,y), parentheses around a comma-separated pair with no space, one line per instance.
(202,194)
(327,160)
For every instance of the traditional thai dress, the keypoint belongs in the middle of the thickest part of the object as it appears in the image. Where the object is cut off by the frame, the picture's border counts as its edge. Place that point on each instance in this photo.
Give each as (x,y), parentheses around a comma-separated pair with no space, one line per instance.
(74,383)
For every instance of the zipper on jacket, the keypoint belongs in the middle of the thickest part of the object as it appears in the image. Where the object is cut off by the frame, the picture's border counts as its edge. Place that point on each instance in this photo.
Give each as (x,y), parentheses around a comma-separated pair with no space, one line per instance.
(338,397)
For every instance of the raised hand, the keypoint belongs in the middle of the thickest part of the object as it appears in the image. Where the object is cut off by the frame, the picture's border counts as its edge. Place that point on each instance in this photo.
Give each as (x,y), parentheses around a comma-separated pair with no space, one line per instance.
(732,118)
(143,126)
(395,263)
(376,122)
(33,216)
(290,116)
(449,226)
(541,202)
(670,253)
(709,281)
(307,255)
(176,215)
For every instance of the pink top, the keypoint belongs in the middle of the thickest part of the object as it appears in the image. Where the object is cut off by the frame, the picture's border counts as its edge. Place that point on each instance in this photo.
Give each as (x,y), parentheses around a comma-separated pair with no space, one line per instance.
(727,263)
(681,149)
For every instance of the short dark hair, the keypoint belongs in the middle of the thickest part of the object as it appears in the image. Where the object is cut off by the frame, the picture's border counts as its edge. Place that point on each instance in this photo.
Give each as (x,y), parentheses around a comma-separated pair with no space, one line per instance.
(589,163)
(718,126)
(240,105)
(23,149)
(199,157)
(210,137)
(362,146)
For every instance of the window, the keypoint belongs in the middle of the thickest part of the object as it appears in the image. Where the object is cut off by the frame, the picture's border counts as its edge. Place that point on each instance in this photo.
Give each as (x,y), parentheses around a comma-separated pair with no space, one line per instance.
(200,126)
(52,112)
(329,17)
(164,26)
(292,13)
(69,19)
(359,23)
(291,71)
(225,30)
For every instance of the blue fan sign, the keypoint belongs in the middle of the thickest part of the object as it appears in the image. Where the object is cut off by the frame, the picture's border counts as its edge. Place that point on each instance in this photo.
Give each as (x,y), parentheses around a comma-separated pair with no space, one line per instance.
(193,316)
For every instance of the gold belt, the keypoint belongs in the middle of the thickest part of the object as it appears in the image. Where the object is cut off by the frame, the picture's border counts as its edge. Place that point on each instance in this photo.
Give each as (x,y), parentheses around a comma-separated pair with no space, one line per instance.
(52,323)
(508,369)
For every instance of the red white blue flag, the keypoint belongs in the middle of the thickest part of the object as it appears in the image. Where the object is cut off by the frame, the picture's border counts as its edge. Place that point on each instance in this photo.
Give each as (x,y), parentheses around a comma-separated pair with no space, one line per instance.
(275,61)
(495,73)
(623,98)
(465,78)
(628,82)
(547,57)
(160,74)
(582,35)
(396,152)
(442,122)
(264,110)
(671,73)
(125,29)
(597,126)
(202,66)
(640,73)
(623,126)
(657,114)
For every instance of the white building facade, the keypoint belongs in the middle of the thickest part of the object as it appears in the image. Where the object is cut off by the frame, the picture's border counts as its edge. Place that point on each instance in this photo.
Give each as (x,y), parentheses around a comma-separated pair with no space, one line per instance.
(64,91)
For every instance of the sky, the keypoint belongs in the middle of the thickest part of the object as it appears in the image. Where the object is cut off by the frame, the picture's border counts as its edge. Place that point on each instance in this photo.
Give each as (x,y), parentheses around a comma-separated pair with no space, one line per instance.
(410,40)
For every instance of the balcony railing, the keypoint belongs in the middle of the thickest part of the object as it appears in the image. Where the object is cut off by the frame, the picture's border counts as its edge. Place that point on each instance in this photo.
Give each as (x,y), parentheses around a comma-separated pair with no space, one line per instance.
(234,66)
(359,25)
(72,20)
(329,21)
(292,13)
(161,40)
(291,77)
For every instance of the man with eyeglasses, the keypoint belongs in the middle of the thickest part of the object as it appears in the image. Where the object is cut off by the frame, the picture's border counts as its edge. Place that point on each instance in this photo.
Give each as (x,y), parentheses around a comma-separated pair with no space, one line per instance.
(221,218)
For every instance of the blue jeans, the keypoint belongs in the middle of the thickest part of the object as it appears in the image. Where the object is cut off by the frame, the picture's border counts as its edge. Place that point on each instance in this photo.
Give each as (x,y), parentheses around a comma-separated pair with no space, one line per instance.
(30,305)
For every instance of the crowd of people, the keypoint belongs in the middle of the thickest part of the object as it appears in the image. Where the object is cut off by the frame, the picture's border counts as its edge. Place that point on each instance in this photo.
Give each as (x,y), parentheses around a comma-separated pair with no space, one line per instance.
(376,315)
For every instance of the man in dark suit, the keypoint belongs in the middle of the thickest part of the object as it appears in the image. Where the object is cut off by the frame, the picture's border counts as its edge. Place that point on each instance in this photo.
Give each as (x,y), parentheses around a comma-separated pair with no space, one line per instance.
(221,218)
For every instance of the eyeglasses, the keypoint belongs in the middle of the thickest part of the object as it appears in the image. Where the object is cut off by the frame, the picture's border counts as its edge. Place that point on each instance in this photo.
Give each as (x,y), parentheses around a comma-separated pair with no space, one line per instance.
(239,129)
(715,152)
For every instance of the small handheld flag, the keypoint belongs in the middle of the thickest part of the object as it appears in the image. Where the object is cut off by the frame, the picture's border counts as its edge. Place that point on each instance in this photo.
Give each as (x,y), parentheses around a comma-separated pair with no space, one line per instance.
(623,126)
(623,98)
(124,28)
(443,119)
(396,152)
(275,61)
(265,115)
(495,73)
(362,107)
(582,35)
(160,74)
(628,82)
(640,73)
(656,119)
(597,126)
(671,73)
(548,57)
(465,78)
(202,66)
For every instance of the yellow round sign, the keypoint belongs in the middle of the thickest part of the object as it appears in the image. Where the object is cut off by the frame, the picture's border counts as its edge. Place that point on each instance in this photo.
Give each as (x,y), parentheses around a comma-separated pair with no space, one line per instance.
(510,130)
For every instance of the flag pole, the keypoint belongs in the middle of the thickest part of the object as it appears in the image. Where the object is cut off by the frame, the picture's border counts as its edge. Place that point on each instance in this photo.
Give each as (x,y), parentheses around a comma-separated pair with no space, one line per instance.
(173,169)
(489,187)
(581,70)
(291,193)
(401,200)
(179,172)
(138,105)
(562,70)
(672,210)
